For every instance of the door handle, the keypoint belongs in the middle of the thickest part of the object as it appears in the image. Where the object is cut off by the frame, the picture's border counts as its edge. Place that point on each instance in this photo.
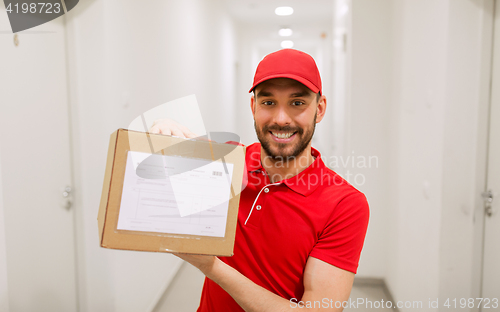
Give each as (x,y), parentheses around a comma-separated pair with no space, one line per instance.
(488,200)
(67,201)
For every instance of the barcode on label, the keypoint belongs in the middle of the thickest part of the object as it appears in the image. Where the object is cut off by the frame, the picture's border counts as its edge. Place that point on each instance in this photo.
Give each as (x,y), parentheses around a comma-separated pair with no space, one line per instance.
(217,173)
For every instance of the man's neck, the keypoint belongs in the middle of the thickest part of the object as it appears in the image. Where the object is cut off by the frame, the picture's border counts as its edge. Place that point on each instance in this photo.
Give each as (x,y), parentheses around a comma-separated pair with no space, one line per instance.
(281,169)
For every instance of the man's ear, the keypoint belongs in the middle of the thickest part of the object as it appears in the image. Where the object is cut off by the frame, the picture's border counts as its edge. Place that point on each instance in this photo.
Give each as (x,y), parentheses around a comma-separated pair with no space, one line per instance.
(321,108)
(252,104)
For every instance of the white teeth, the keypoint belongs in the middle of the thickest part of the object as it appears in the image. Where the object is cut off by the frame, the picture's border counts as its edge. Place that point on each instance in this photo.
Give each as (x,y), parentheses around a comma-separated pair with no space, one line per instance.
(282,135)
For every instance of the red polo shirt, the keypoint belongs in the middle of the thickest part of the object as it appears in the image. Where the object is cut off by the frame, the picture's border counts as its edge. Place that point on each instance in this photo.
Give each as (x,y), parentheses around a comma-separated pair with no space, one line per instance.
(280,225)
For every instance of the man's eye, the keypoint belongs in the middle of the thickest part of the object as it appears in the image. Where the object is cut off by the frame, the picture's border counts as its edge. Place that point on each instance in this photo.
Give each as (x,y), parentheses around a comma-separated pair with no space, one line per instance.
(297,103)
(267,103)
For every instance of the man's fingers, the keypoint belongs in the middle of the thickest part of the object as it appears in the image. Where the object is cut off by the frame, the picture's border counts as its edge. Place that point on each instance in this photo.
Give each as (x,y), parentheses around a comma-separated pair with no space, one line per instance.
(191,135)
(178,132)
(160,130)
(154,129)
(170,127)
(187,132)
(163,121)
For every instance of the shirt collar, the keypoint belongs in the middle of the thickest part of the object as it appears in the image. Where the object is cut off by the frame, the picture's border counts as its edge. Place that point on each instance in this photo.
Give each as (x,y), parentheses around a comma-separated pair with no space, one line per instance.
(303,183)
(252,158)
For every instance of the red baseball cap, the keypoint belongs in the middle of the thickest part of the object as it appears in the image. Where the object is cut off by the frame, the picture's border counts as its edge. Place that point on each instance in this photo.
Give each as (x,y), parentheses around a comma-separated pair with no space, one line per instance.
(289,63)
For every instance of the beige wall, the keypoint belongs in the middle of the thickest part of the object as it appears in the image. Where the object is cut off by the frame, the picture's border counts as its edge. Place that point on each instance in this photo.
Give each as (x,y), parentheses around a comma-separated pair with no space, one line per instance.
(418,98)
(125,59)
(368,121)
(4,298)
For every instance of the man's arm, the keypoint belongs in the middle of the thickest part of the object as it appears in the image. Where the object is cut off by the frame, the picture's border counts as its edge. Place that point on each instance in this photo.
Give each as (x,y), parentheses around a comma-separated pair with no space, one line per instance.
(323,283)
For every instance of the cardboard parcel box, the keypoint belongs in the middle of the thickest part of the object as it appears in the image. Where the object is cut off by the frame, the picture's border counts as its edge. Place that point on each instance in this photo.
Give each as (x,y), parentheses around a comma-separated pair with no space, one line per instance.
(168,194)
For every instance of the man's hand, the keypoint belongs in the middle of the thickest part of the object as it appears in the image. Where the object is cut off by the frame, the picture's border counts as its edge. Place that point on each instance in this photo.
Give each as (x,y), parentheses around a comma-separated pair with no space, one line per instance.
(171,127)
(203,263)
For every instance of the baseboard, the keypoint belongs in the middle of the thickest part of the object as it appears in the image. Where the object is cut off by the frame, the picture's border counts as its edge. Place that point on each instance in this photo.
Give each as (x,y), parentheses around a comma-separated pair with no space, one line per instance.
(375,282)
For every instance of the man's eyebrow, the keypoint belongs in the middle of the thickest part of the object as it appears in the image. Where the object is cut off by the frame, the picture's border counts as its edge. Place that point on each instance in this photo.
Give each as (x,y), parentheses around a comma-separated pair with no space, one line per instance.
(293,95)
(300,94)
(264,93)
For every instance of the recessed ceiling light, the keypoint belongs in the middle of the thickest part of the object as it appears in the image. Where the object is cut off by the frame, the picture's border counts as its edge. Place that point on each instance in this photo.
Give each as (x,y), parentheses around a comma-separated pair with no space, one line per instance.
(283,11)
(287,44)
(285,32)
(344,10)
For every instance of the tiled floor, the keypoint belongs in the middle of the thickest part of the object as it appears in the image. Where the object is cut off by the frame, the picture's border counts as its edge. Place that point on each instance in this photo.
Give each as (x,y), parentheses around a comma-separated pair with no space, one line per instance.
(184,293)
(368,298)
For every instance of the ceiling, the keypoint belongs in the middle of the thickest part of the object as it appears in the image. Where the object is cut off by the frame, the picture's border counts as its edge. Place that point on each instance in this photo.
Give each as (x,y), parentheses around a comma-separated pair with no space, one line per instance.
(262,11)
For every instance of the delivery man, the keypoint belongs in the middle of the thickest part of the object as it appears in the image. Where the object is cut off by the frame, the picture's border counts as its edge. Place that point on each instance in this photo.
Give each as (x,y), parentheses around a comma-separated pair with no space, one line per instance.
(301,227)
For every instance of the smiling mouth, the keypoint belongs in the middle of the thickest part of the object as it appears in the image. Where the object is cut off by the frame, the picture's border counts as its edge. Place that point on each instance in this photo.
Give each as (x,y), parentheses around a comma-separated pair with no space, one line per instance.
(282,135)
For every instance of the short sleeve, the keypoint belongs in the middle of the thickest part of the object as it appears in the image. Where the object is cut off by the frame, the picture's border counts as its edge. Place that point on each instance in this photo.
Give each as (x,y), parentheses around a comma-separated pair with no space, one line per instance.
(342,239)
(234,143)
(245,174)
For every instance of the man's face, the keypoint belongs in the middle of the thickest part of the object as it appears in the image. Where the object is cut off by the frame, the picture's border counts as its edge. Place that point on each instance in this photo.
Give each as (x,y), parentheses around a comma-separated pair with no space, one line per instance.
(285,114)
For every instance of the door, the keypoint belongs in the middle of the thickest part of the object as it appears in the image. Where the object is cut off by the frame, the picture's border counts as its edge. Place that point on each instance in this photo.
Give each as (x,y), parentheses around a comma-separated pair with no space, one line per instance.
(34,140)
(491,256)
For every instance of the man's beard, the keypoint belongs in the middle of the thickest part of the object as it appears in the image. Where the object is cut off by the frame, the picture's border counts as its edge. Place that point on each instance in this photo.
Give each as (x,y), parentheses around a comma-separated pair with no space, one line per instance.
(298,148)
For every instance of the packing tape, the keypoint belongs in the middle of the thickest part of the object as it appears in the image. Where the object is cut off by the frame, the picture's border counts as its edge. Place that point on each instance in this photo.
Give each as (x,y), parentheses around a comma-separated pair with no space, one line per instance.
(211,150)
(170,245)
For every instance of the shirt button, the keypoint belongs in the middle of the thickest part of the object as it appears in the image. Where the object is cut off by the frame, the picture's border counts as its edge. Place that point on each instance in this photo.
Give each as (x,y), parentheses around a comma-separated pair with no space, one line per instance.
(266,190)
(258,207)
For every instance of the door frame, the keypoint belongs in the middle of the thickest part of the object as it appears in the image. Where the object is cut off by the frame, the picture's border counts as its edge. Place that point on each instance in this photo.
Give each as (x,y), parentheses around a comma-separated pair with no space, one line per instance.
(486,77)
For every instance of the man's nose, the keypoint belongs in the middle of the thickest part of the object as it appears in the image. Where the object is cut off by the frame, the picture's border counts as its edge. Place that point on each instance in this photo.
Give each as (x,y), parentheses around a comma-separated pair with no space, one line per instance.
(281,117)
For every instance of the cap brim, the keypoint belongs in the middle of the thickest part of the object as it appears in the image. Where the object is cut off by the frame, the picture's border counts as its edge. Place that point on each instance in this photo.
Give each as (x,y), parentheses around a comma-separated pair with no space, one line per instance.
(302,80)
